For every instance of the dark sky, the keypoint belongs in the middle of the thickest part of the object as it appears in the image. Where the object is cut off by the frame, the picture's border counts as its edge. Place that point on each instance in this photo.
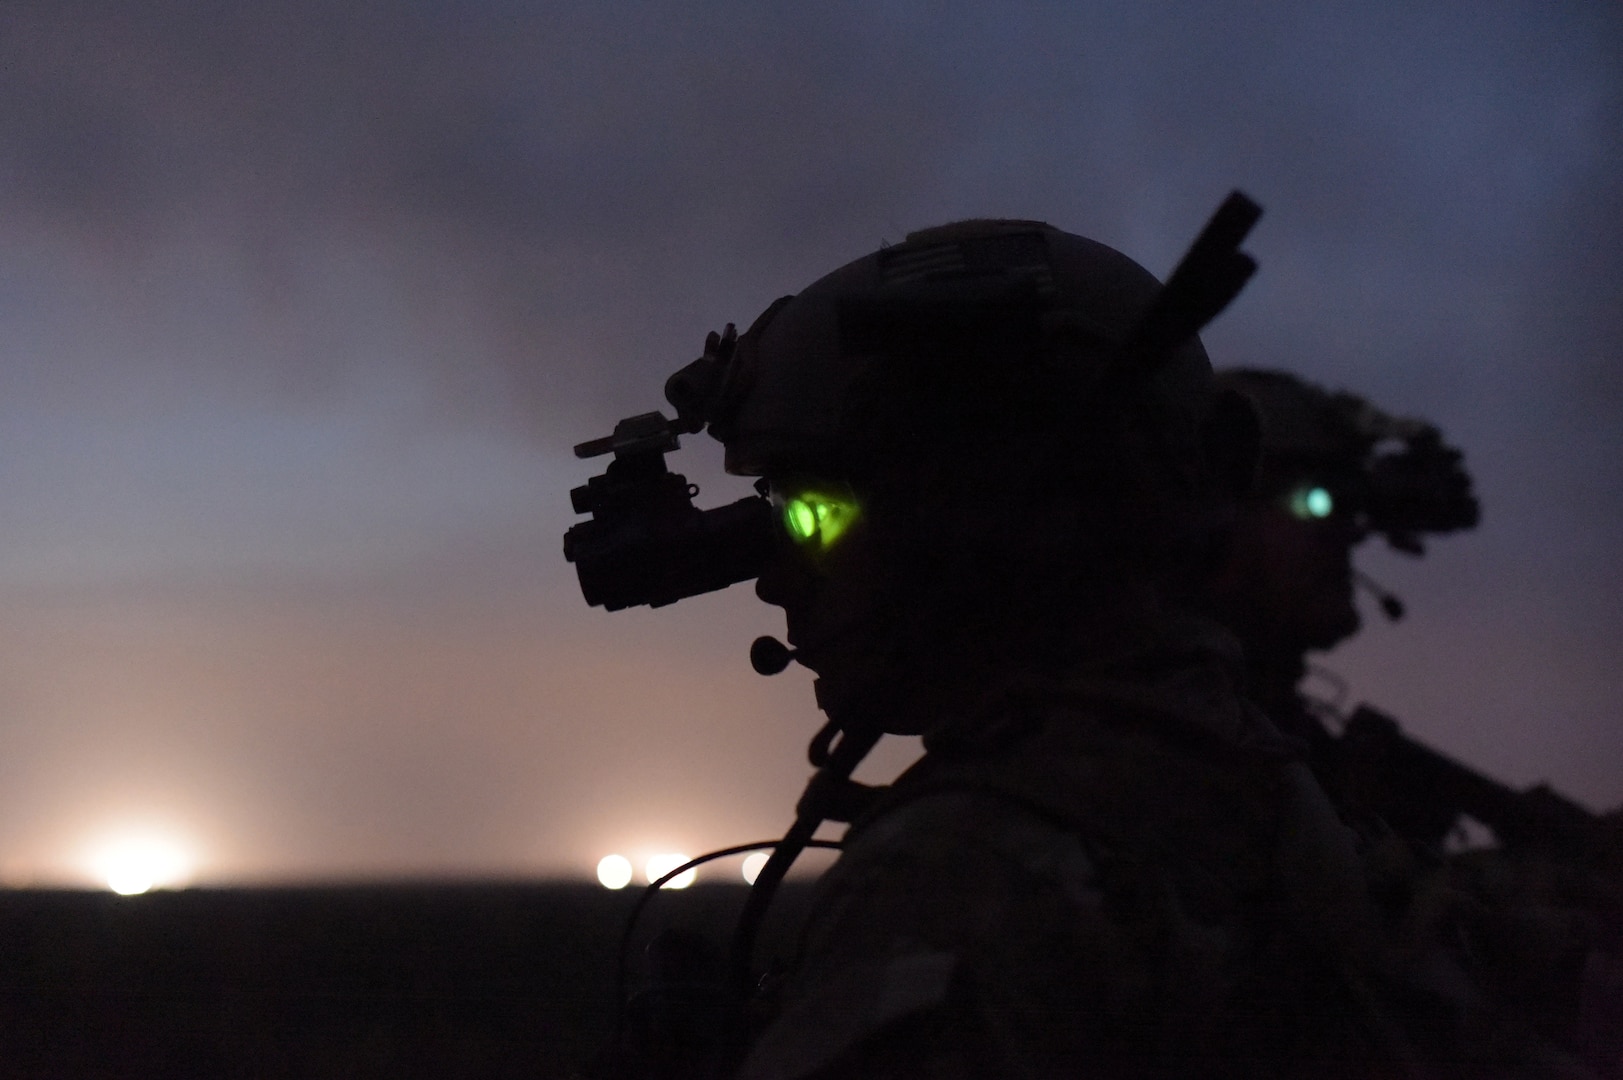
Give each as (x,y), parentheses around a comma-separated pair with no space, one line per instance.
(302,305)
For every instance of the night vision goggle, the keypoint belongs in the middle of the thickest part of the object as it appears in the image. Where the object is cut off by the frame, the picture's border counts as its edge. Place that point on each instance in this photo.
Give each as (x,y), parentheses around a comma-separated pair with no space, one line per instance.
(1421,486)
(1310,502)
(1417,484)
(646,542)
(815,515)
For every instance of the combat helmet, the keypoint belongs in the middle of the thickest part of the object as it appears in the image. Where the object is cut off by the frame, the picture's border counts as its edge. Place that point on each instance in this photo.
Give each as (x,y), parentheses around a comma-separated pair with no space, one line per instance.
(1396,474)
(1298,421)
(961,299)
(960,321)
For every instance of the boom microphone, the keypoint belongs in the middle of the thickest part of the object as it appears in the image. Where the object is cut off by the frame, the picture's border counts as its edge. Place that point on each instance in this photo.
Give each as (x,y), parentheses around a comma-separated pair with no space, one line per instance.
(1391,606)
(769,656)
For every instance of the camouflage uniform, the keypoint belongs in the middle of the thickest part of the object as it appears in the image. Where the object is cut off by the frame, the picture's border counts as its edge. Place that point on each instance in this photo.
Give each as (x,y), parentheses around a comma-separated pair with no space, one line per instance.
(1525,911)
(1129,873)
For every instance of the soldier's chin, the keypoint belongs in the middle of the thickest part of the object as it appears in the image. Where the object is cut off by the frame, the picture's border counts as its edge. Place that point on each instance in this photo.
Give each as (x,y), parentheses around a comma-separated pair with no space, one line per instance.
(855,702)
(873,697)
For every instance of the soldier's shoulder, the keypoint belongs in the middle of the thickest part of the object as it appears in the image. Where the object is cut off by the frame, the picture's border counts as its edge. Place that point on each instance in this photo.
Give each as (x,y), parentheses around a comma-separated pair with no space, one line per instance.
(960,838)
(939,909)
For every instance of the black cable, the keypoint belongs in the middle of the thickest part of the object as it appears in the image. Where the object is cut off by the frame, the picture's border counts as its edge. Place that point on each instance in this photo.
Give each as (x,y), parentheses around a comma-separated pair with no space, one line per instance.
(842,760)
(620,973)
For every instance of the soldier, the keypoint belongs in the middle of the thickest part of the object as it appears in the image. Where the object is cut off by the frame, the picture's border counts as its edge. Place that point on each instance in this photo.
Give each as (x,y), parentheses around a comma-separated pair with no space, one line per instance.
(1332,469)
(1107,863)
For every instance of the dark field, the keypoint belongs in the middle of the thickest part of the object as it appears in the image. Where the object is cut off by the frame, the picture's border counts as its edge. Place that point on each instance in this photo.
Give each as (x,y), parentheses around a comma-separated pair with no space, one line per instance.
(495,980)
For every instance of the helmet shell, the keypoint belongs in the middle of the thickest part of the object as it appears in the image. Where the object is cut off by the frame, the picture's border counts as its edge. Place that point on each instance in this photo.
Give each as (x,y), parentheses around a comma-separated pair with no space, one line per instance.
(1301,422)
(797,364)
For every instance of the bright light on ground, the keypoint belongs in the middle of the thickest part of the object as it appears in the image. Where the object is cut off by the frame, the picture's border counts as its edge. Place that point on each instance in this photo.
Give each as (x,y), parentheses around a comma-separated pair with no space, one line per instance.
(139,862)
(614,871)
(660,865)
(753,863)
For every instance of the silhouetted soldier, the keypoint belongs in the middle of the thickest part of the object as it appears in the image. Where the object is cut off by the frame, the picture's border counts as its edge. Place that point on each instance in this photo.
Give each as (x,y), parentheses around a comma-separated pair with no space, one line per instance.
(1334,469)
(1108,863)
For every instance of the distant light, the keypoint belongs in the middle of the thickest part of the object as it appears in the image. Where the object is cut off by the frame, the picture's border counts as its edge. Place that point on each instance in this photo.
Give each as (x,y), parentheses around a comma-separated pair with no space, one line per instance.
(660,865)
(614,871)
(140,862)
(753,863)
(130,880)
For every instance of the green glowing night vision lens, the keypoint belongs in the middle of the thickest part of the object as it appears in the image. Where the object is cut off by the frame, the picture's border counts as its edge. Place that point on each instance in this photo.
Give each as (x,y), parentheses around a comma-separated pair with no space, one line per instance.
(814,516)
(1312,503)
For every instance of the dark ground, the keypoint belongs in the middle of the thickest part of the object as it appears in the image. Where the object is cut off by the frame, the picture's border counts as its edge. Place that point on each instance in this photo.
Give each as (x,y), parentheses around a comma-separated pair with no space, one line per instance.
(454,980)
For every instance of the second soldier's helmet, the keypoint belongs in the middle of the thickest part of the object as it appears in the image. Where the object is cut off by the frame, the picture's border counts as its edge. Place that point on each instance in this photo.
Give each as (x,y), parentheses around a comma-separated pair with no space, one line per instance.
(1395,473)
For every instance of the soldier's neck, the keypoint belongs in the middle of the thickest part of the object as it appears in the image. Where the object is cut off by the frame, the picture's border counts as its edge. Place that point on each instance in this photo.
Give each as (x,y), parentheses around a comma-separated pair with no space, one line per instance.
(1273,673)
(943,681)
